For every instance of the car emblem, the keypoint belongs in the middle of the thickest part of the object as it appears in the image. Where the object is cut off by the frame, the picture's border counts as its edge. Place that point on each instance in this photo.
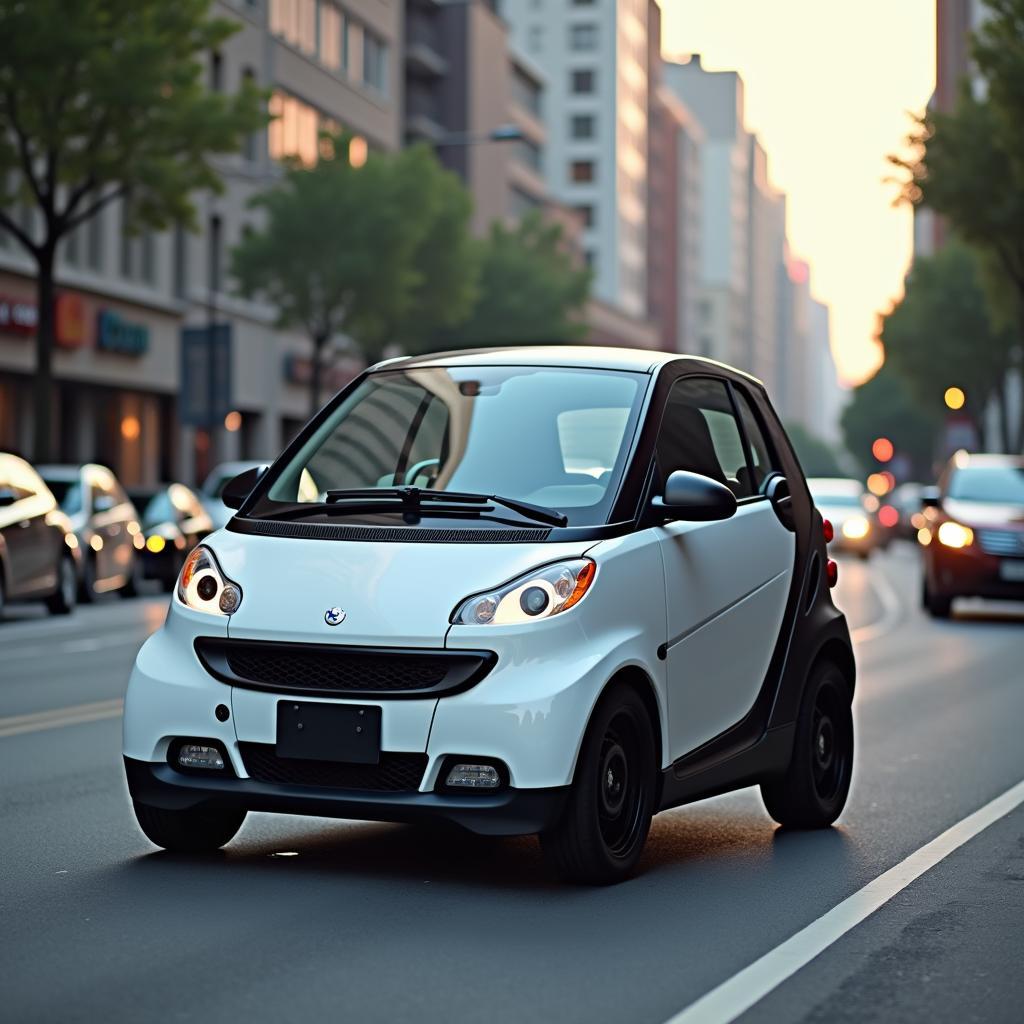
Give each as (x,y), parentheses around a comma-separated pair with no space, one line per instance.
(334,616)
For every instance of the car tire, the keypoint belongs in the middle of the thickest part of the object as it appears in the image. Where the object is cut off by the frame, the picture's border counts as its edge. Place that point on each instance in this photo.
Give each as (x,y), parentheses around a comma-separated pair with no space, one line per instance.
(813,791)
(601,834)
(938,606)
(195,830)
(62,600)
(131,587)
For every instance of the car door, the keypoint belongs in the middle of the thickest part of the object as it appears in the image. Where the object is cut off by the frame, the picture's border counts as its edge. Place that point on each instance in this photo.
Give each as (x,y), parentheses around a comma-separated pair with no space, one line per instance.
(110,523)
(726,582)
(32,545)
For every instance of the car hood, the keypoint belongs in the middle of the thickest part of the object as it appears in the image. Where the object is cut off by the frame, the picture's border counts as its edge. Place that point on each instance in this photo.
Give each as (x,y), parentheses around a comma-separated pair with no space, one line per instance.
(393,594)
(984,513)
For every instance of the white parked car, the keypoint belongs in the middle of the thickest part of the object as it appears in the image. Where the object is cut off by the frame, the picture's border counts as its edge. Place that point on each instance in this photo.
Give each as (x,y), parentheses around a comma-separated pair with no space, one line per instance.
(539,590)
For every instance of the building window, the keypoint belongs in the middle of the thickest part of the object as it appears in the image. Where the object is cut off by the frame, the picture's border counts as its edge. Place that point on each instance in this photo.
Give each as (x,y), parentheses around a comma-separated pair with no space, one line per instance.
(180,268)
(251,143)
(331,33)
(138,252)
(295,22)
(586,213)
(72,246)
(529,153)
(581,126)
(214,253)
(581,83)
(526,91)
(581,171)
(295,129)
(375,62)
(216,72)
(582,37)
(93,228)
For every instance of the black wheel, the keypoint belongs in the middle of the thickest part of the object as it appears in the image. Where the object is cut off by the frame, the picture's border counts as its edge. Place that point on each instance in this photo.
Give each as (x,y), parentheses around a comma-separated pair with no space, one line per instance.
(62,600)
(938,606)
(87,587)
(601,834)
(135,577)
(813,791)
(196,830)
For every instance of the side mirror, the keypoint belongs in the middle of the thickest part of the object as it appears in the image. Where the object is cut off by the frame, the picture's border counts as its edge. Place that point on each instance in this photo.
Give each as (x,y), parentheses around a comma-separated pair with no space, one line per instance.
(7,497)
(695,498)
(930,497)
(238,488)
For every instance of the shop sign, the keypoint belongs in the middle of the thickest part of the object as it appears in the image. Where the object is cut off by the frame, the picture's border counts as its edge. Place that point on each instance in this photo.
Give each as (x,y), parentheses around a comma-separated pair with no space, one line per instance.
(18,316)
(115,334)
(70,320)
(205,397)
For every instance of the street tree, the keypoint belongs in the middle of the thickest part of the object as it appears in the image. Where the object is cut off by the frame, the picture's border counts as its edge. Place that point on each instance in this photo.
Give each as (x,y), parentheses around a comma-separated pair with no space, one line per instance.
(883,407)
(530,289)
(369,249)
(103,101)
(942,334)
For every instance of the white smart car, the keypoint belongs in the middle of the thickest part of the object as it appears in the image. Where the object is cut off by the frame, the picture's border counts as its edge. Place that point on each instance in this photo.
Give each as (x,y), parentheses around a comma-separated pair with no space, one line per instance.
(537,590)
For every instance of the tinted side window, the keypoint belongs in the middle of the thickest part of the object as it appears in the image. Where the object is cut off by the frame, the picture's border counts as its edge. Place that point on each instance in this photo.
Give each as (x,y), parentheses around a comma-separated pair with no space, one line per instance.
(763,460)
(699,433)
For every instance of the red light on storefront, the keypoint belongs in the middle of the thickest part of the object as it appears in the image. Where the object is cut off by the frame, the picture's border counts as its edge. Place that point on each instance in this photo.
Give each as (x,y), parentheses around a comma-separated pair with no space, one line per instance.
(882,449)
(888,516)
(70,320)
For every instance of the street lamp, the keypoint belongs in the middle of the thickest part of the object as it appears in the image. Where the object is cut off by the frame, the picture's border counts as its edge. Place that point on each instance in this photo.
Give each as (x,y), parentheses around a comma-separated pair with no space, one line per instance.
(503,133)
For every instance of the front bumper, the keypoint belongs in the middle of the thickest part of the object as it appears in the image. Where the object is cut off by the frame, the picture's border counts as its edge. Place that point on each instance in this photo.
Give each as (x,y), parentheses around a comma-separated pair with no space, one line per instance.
(507,812)
(969,572)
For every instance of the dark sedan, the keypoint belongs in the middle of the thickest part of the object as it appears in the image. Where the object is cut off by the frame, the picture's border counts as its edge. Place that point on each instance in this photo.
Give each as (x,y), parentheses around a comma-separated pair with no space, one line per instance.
(174,521)
(974,533)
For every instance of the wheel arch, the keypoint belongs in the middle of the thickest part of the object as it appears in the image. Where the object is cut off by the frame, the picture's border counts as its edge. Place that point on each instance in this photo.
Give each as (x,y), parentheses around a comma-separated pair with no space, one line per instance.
(839,653)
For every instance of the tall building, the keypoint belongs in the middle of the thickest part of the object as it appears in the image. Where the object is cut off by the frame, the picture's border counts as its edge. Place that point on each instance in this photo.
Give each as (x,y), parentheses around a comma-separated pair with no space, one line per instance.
(594,57)
(826,397)
(124,301)
(464,85)
(716,100)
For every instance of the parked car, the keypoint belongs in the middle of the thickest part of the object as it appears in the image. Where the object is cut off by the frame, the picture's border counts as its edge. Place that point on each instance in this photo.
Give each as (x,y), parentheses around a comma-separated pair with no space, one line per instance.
(214,484)
(537,590)
(843,503)
(174,521)
(38,549)
(907,499)
(105,523)
(973,540)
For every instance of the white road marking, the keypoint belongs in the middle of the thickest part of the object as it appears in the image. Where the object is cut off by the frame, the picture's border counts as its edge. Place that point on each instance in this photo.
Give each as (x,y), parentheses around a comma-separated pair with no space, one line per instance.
(58,717)
(73,647)
(892,611)
(735,996)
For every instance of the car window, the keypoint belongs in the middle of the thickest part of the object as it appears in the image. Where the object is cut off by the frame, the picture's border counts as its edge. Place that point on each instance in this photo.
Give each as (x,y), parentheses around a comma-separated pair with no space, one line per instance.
(762,460)
(68,494)
(590,439)
(159,510)
(997,484)
(699,433)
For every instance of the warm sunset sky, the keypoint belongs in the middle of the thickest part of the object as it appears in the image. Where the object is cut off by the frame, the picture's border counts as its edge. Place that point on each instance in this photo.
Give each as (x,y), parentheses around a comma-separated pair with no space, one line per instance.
(828,84)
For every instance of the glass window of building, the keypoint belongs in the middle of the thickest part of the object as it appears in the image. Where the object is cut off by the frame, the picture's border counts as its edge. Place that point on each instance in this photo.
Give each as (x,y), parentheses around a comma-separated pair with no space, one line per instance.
(529,153)
(295,22)
(582,37)
(586,213)
(375,63)
(526,91)
(581,171)
(295,129)
(581,82)
(213,257)
(331,29)
(180,267)
(581,126)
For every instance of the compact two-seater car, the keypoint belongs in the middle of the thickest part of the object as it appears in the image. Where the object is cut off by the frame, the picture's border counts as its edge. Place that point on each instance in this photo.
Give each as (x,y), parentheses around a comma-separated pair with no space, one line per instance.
(539,590)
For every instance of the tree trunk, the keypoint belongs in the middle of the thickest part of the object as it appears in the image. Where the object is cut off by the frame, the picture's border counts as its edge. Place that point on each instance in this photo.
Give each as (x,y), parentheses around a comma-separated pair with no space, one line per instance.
(42,390)
(316,373)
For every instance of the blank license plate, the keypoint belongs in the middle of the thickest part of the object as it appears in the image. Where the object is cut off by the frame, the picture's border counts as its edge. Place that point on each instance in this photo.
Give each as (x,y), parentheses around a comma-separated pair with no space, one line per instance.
(1012,569)
(328,732)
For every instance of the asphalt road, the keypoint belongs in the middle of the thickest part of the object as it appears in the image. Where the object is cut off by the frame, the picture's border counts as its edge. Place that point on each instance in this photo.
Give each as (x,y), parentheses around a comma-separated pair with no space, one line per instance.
(345,921)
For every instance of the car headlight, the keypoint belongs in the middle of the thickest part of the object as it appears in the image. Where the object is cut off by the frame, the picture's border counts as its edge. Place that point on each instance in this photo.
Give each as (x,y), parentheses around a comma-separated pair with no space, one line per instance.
(955,535)
(856,527)
(537,595)
(204,588)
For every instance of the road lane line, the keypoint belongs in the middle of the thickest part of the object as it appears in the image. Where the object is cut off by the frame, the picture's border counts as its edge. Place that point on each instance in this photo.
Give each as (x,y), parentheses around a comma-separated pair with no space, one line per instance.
(740,992)
(892,611)
(58,717)
(73,647)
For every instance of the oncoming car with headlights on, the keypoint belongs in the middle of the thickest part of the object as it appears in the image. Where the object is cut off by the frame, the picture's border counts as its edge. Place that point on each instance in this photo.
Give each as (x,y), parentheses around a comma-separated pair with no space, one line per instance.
(540,590)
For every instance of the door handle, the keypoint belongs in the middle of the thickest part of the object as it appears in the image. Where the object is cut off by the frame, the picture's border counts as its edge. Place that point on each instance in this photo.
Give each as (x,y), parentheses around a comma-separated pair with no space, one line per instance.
(778,493)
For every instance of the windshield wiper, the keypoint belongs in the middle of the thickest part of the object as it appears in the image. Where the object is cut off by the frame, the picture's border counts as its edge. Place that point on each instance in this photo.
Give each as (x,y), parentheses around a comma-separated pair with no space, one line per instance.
(411,498)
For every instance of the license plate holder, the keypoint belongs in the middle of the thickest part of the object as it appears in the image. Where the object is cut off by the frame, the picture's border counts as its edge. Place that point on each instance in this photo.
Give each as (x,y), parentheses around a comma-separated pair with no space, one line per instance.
(1012,570)
(346,733)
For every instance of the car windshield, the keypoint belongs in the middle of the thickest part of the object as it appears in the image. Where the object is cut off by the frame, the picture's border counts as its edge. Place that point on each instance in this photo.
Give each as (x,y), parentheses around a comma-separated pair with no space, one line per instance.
(68,494)
(1002,485)
(551,436)
(159,510)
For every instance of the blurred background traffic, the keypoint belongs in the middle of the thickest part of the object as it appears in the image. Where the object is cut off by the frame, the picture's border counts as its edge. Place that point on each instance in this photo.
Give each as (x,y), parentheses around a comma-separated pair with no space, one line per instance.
(222,210)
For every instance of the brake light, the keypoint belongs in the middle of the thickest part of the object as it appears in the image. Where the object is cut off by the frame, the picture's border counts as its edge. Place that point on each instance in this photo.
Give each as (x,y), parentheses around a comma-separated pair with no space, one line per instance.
(828,530)
(832,572)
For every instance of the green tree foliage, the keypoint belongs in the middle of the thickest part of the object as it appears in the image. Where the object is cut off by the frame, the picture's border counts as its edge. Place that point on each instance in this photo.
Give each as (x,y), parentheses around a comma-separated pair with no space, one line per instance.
(379,251)
(103,100)
(529,291)
(942,334)
(968,166)
(816,456)
(882,407)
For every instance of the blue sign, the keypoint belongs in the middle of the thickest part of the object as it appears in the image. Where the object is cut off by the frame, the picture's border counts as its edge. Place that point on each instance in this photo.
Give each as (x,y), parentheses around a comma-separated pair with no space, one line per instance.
(205,397)
(115,334)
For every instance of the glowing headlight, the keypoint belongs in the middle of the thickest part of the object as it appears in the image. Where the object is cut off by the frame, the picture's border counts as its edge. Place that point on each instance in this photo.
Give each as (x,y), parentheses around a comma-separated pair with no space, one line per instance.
(856,527)
(538,595)
(204,588)
(954,535)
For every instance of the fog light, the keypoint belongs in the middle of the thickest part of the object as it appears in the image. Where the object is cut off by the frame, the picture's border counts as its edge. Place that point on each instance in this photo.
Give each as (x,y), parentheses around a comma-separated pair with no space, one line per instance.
(230,598)
(194,755)
(473,776)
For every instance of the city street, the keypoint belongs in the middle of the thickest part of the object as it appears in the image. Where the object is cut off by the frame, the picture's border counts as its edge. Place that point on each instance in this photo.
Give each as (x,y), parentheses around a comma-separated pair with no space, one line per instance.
(310,919)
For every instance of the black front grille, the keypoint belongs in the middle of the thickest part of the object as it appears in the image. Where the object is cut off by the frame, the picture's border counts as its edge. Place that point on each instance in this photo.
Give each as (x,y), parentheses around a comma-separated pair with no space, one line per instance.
(336,670)
(1002,542)
(396,773)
